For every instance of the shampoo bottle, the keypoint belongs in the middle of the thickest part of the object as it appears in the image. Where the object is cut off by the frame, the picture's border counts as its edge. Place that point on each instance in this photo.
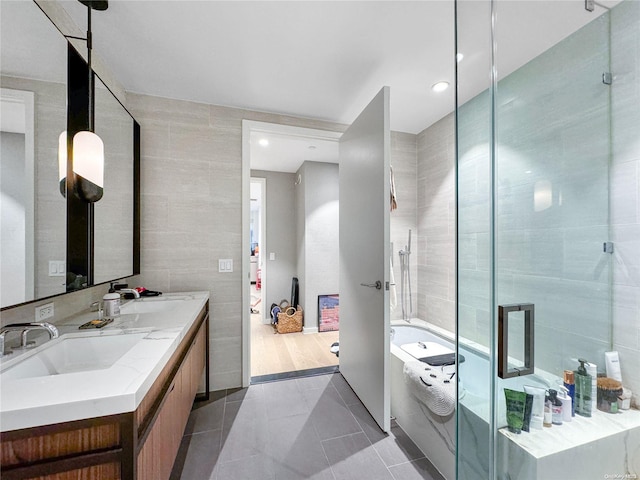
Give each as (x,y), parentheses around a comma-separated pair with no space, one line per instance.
(583,390)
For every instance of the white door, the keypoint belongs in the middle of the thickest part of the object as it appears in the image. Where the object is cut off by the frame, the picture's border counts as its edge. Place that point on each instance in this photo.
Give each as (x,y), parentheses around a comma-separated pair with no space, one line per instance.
(364,257)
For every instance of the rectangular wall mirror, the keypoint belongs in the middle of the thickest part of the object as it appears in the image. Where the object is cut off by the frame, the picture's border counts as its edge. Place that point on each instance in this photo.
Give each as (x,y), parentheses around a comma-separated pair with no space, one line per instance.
(34,114)
(35,110)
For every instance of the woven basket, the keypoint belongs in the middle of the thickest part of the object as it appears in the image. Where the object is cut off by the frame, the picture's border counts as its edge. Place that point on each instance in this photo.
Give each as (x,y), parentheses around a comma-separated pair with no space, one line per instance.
(290,321)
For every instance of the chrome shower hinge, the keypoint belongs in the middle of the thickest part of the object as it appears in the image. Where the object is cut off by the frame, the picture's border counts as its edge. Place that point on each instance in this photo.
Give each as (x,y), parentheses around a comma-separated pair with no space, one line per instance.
(589,5)
(607,247)
(607,78)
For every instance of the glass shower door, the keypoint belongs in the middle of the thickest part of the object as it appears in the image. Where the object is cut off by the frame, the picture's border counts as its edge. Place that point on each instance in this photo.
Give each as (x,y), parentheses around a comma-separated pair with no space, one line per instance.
(534,150)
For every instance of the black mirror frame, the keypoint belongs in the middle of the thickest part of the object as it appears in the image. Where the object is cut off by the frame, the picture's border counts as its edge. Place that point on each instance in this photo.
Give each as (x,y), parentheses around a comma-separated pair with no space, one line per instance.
(80,214)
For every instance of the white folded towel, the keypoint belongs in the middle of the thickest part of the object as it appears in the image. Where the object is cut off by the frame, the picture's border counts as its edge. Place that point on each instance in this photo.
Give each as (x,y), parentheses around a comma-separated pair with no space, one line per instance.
(431,387)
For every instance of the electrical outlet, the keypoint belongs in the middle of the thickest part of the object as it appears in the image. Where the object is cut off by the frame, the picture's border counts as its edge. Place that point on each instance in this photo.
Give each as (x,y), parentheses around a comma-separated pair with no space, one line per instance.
(44,311)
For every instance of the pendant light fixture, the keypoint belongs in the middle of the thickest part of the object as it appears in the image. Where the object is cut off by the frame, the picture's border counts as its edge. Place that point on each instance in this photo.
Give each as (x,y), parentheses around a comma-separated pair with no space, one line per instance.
(88,149)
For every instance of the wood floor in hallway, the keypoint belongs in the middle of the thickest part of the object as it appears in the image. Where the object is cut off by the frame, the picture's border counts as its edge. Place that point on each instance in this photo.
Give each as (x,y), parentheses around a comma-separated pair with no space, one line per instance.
(277,353)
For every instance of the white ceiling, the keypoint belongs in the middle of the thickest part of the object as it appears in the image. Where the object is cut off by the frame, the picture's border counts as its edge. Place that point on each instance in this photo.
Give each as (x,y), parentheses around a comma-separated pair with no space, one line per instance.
(315,59)
(319,59)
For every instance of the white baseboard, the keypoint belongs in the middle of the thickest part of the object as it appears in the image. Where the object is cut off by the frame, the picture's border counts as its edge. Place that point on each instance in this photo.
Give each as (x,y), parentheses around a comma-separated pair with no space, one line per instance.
(310,330)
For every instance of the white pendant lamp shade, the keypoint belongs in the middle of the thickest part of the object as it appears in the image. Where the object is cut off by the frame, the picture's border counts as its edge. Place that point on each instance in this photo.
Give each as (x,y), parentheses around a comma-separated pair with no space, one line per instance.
(88,165)
(62,162)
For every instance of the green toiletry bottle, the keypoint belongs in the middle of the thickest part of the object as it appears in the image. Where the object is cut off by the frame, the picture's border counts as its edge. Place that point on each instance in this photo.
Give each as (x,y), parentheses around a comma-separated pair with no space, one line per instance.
(583,390)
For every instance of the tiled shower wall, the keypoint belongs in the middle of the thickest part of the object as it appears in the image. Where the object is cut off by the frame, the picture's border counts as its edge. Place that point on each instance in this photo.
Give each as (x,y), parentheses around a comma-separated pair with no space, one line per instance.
(404,163)
(569,148)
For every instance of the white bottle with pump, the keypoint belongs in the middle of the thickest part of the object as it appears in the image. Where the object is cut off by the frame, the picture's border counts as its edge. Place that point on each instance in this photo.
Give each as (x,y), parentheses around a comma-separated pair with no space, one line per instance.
(563,396)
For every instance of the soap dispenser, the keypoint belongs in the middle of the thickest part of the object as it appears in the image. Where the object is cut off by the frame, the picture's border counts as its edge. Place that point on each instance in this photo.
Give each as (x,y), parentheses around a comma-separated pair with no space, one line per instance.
(583,390)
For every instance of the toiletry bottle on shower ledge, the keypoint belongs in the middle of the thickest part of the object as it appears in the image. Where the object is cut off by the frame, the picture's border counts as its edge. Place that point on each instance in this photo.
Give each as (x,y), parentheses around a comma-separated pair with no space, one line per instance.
(556,407)
(583,390)
(570,385)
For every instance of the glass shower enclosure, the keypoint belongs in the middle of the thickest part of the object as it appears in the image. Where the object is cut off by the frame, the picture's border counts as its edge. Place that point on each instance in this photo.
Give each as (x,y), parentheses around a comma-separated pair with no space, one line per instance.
(548,229)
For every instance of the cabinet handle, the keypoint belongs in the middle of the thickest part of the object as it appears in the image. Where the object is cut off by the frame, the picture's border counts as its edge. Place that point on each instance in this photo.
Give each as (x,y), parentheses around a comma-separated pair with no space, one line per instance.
(503,340)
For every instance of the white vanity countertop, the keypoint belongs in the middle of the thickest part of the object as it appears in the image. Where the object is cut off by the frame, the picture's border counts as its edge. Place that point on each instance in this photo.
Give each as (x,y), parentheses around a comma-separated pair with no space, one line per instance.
(44,400)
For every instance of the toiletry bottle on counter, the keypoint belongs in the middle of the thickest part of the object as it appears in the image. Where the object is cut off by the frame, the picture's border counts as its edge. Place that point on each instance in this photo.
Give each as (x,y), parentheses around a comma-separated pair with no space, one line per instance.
(556,407)
(583,390)
(111,303)
(570,385)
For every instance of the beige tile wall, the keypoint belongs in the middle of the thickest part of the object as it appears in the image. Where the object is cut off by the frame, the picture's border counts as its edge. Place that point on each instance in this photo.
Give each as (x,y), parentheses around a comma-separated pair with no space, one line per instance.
(436,224)
(404,163)
(191,210)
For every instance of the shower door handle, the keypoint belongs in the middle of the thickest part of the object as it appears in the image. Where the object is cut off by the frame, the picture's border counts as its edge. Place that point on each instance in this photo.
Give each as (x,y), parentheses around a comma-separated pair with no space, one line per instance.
(503,340)
(377,285)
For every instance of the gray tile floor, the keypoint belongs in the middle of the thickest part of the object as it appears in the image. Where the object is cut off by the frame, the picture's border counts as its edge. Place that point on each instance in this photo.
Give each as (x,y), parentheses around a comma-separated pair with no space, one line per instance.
(305,428)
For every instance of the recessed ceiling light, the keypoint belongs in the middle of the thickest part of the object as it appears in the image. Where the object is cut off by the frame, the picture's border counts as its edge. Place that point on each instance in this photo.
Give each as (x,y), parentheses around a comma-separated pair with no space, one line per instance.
(440,86)
(459,57)
(527,171)
(263,142)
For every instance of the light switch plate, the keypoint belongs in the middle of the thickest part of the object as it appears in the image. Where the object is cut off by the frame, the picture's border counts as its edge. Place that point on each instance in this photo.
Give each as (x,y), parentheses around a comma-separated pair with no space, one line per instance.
(272,256)
(225,265)
(57,268)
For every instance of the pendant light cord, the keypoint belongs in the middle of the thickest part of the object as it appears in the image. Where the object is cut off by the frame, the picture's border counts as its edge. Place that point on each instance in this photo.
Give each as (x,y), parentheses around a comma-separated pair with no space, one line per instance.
(91,92)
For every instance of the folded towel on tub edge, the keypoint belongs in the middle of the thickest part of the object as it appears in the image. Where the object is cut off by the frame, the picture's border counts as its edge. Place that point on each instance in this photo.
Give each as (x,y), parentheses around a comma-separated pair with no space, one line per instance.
(431,387)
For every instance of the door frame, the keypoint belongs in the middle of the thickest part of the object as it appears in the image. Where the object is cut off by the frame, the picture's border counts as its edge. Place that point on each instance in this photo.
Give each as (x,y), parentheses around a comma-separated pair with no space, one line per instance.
(248,127)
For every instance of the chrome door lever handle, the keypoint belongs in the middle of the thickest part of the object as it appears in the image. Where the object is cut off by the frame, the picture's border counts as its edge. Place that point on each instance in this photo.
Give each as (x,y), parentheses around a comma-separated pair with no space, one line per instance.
(377,285)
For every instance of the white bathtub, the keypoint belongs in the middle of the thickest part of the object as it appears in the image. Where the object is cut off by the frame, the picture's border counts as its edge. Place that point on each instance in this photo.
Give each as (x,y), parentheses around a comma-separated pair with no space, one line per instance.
(434,435)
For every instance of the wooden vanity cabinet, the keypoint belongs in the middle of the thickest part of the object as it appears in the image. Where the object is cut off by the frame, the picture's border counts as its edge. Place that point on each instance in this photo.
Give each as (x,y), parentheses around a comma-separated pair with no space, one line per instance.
(160,442)
(140,445)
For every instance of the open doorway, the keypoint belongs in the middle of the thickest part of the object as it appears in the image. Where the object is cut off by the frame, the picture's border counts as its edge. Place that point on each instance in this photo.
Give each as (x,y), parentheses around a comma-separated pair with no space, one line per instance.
(292,177)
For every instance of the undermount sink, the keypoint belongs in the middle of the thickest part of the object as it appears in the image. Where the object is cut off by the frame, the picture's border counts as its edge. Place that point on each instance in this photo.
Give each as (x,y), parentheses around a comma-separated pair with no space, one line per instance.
(151,306)
(73,354)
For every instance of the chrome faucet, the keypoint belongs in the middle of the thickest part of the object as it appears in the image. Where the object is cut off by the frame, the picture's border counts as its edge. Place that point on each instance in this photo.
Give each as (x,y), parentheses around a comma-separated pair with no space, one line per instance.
(25,328)
(132,291)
